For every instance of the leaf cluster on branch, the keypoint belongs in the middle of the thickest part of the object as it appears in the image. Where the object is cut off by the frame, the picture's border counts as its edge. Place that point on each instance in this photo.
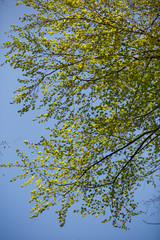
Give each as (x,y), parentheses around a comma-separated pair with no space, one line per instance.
(93,67)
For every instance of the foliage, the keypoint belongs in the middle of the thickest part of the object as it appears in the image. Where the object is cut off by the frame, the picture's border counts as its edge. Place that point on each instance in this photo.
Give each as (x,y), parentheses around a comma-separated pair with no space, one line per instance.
(92,66)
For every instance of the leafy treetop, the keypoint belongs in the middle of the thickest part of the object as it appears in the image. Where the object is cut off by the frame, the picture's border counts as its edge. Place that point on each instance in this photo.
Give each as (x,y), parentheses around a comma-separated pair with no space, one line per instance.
(93,67)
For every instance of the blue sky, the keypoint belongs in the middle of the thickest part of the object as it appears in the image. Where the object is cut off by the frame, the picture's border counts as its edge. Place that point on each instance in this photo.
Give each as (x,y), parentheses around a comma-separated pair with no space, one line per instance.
(14,207)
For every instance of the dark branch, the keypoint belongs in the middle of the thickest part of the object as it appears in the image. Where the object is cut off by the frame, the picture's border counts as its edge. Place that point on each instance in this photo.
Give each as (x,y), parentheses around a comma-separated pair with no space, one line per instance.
(151,132)
(135,153)
(120,149)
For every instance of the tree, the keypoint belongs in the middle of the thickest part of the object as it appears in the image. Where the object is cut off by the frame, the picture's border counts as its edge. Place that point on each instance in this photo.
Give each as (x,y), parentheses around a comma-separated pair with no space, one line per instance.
(92,67)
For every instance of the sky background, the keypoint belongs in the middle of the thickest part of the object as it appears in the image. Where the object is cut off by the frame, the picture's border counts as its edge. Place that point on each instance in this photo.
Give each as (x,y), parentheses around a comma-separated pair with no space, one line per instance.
(15,223)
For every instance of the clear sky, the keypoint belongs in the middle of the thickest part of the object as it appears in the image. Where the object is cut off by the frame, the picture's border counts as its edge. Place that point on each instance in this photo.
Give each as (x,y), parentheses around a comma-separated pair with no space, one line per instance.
(14,207)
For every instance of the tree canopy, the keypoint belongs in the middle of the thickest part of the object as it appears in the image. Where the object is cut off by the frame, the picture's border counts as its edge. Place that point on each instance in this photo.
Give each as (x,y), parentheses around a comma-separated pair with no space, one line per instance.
(92,68)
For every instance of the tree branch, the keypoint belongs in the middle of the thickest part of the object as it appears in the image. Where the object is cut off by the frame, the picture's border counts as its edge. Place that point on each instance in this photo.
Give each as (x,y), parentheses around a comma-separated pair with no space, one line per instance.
(135,153)
(150,223)
(151,132)
(128,144)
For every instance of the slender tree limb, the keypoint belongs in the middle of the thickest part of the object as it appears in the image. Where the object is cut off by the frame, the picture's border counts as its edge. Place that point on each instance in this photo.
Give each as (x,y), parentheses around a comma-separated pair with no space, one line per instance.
(150,223)
(146,114)
(135,153)
(128,144)
(111,154)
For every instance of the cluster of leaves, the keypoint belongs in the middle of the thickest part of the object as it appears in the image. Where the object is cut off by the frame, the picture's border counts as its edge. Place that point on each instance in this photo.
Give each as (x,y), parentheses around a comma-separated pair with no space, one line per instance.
(93,67)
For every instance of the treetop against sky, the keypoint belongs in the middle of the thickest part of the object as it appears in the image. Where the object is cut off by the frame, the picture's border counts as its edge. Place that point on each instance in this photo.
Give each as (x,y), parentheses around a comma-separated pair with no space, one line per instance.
(92,69)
